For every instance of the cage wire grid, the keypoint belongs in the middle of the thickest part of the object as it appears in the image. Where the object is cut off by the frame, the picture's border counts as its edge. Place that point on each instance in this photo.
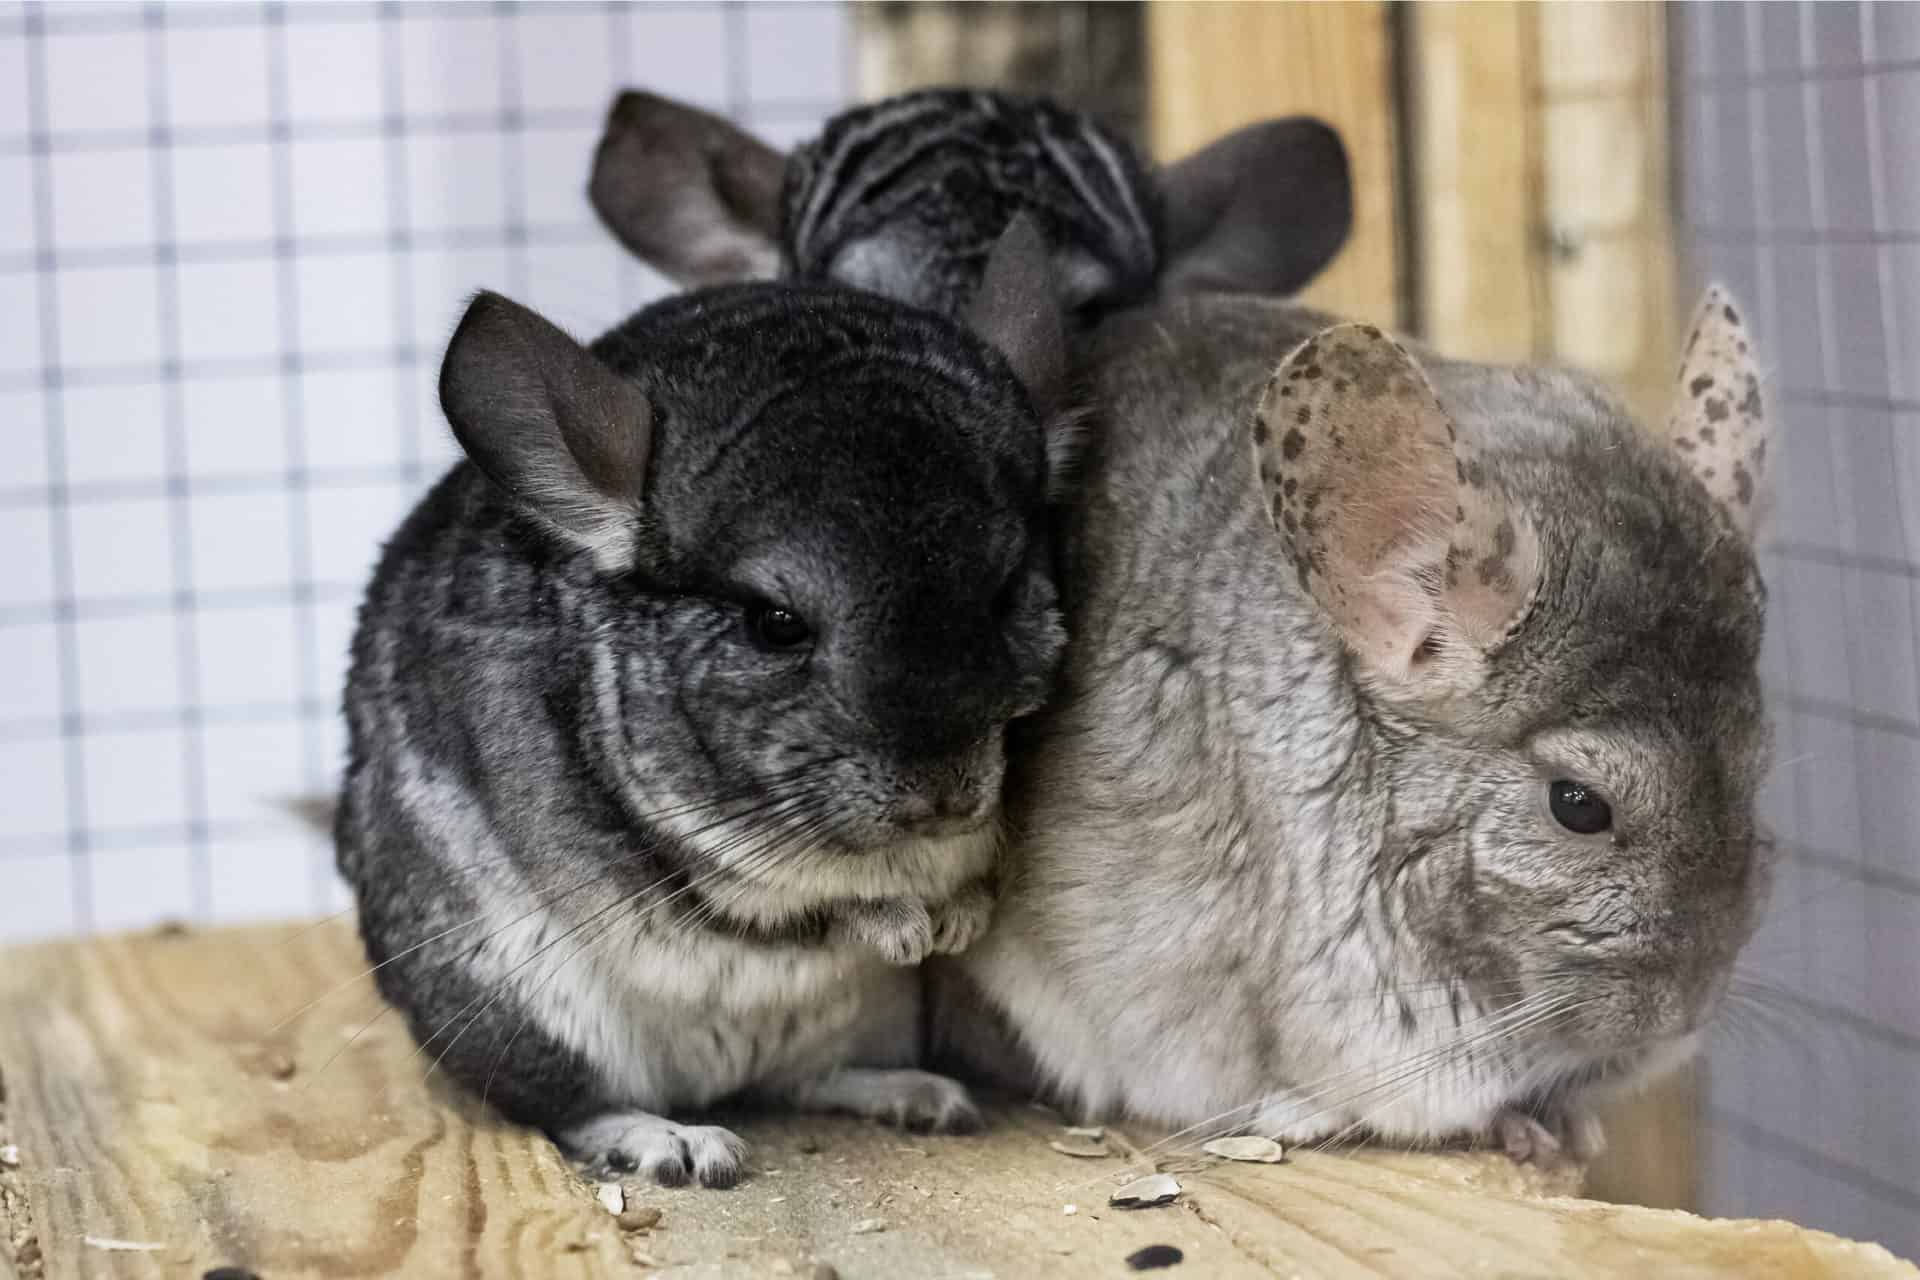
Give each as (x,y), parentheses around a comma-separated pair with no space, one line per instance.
(233,240)
(1797,128)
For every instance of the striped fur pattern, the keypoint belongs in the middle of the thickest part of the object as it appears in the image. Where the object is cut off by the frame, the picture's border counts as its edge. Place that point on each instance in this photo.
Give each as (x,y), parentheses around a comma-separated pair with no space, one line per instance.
(906,197)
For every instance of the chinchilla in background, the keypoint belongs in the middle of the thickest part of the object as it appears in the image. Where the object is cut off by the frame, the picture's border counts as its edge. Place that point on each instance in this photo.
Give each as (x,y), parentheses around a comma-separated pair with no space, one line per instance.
(905,196)
(677,710)
(1411,712)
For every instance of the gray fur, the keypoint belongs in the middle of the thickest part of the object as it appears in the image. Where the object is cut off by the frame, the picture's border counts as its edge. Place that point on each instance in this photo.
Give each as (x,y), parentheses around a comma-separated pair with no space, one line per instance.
(615,859)
(1271,878)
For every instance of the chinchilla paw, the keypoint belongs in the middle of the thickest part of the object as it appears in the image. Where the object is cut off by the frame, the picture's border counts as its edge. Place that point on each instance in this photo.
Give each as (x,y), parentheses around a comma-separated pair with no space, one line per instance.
(673,1155)
(898,930)
(961,919)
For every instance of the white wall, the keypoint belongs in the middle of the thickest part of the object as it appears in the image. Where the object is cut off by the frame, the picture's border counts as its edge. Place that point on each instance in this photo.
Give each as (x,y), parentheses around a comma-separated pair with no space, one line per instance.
(232,241)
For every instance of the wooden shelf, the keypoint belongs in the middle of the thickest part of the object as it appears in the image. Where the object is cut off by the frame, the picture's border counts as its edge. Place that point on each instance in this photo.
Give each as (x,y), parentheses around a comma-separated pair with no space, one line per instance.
(165,1125)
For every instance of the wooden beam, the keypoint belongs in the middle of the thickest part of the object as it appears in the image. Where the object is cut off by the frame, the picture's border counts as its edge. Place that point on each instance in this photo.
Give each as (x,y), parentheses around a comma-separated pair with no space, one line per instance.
(1212,67)
(191,1101)
(1481,258)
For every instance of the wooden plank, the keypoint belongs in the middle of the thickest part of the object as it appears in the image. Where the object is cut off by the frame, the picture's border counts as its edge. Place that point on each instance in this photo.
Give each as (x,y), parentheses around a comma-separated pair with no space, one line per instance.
(1215,66)
(156,1102)
(1481,259)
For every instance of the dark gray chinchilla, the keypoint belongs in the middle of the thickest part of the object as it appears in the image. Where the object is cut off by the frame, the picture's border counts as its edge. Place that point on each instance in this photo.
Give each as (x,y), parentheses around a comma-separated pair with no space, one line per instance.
(1402,779)
(677,711)
(906,196)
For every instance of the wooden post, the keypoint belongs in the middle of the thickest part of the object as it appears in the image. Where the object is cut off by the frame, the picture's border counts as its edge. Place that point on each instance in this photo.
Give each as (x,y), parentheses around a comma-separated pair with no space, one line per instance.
(1212,67)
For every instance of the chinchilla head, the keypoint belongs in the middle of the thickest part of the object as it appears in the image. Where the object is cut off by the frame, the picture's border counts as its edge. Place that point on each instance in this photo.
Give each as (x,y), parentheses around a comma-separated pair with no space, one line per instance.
(907,195)
(802,532)
(1555,620)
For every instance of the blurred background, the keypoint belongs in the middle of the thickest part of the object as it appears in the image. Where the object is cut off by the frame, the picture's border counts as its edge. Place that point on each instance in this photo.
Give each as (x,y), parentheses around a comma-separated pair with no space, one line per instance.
(234,237)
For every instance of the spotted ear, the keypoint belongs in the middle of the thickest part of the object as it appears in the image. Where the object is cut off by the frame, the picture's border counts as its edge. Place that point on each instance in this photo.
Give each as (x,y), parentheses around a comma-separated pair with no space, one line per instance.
(1718,424)
(1394,527)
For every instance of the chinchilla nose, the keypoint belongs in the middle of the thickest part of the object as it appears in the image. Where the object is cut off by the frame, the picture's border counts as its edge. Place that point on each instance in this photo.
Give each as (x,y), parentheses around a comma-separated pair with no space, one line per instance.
(943,806)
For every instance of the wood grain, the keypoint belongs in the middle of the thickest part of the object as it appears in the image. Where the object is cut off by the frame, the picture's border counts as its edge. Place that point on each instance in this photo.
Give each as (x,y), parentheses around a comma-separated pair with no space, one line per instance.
(1477,175)
(1215,66)
(144,1087)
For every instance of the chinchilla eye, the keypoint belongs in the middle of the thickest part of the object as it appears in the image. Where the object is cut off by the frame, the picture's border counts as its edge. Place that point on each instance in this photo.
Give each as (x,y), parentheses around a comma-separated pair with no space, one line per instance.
(775,628)
(1579,808)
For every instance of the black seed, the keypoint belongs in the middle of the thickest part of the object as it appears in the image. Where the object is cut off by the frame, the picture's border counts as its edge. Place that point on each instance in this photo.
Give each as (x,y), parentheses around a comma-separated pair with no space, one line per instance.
(1154,1257)
(228,1273)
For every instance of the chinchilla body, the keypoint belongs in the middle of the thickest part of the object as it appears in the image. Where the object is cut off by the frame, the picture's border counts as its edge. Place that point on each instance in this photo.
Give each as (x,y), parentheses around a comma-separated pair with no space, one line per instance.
(677,712)
(1402,779)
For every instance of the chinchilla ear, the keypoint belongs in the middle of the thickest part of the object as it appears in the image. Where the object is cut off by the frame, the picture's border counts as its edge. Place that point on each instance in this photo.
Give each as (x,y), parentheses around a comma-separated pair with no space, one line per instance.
(1718,423)
(1018,312)
(1262,210)
(1395,528)
(563,435)
(688,192)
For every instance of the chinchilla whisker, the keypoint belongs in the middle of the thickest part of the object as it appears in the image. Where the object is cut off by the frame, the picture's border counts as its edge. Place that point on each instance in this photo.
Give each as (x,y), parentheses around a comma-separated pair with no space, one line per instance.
(506,981)
(1490,1029)
(1231,1119)
(540,904)
(784,845)
(1403,1082)
(585,945)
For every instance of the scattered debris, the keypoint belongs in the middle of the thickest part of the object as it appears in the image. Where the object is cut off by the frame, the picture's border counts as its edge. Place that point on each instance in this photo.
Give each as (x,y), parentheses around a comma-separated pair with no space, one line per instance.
(1080,1146)
(1251,1149)
(106,1244)
(806,1270)
(1069,1209)
(637,1218)
(170,929)
(10,1156)
(809,1146)
(280,1066)
(229,1273)
(1097,1132)
(1145,1193)
(1154,1257)
(868,1226)
(610,1195)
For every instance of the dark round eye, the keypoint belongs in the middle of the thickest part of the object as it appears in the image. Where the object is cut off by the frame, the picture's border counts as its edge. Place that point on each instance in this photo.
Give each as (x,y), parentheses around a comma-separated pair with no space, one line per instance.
(775,628)
(1579,808)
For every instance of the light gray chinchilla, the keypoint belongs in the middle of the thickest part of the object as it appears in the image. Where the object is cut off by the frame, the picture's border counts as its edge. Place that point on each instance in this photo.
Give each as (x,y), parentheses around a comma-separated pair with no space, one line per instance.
(1402,780)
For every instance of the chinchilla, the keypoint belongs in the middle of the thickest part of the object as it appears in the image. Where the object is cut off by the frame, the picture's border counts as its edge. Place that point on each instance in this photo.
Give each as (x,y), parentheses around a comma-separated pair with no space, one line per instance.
(905,196)
(677,710)
(1402,779)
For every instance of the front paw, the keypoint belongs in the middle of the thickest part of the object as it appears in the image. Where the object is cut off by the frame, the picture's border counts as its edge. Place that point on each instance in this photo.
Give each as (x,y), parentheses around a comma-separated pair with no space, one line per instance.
(1566,1133)
(898,930)
(673,1155)
(917,1101)
(962,919)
